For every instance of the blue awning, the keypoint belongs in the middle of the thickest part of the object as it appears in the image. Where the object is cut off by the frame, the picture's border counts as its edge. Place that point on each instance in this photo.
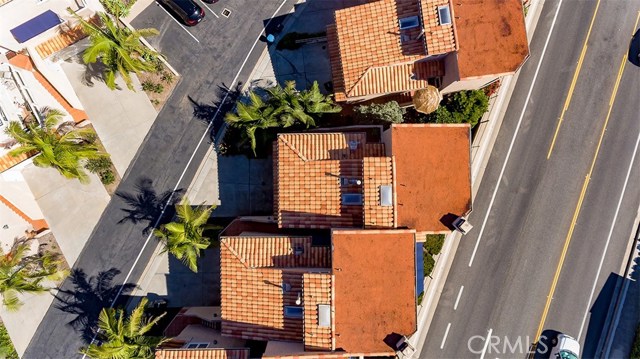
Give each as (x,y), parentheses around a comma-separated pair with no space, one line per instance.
(419,269)
(36,26)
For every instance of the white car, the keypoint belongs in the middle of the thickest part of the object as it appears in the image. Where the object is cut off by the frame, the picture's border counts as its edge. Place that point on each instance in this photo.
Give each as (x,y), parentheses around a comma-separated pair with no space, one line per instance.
(565,347)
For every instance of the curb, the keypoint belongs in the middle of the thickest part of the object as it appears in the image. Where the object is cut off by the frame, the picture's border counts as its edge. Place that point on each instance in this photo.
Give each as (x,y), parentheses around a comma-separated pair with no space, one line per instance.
(485,141)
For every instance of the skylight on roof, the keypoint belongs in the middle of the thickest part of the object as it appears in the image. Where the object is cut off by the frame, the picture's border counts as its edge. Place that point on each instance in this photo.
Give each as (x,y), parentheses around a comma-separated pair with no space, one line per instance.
(444,14)
(292,312)
(324,315)
(352,199)
(386,195)
(409,22)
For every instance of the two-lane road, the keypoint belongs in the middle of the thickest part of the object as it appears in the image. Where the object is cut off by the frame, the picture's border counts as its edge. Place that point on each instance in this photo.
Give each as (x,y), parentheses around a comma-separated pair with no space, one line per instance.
(552,223)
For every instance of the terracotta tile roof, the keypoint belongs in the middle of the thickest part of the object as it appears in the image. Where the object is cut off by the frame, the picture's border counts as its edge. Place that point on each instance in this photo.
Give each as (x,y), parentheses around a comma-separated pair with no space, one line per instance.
(492,37)
(60,41)
(307,171)
(253,272)
(38,225)
(202,354)
(370,54)
(373,297)
(25,63)
(435,183)
(441,39)
(378,171)
(7,161)
(317,288)
(397,78)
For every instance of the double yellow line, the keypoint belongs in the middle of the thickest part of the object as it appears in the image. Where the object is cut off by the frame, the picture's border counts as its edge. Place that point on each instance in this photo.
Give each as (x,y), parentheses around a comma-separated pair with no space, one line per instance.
(573,81)
(585,185)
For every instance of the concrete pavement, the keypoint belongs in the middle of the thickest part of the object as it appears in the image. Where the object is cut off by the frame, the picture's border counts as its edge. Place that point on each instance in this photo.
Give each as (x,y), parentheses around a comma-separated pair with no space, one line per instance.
(522,240)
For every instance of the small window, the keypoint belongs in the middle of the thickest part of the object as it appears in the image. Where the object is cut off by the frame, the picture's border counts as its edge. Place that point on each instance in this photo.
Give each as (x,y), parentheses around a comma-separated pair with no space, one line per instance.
(197,345)
(409,22)
(352,199)
(292,312)
(386,195)
(444,14)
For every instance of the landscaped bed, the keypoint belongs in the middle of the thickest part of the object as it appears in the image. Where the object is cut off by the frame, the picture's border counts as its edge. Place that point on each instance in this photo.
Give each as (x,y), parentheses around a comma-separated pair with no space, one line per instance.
(158,85)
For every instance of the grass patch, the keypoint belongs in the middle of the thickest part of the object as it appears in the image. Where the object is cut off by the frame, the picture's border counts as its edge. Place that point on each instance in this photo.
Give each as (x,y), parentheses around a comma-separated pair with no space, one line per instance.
(6,346)
(635,348)
(431,247)
(420,297)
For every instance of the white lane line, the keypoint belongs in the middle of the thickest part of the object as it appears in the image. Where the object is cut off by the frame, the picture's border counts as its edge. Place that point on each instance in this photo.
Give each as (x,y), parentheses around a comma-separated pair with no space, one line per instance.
(184,171)
(515,134)
(486,344)
(446,333)
(606,246)
(208,8)
(455,306)
(178,22)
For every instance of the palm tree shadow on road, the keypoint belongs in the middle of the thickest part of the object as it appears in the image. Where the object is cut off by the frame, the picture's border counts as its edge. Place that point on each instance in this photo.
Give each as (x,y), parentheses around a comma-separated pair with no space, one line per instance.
(85,297)
(226,98)
(146,204)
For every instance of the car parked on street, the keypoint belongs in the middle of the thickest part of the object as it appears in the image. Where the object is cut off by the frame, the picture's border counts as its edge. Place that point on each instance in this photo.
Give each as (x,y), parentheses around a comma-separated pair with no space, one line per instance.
(189,12)
(565,347)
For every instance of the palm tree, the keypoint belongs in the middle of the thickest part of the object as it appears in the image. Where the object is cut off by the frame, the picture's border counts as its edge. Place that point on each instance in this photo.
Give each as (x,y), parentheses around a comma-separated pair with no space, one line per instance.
(184,238)
(257,114)
(118,48)
(22,273)
(123,338)
(62,150)
(314,102)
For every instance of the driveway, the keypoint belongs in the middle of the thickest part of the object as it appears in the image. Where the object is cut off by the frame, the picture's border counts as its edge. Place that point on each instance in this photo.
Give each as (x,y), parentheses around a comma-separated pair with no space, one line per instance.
(169,156)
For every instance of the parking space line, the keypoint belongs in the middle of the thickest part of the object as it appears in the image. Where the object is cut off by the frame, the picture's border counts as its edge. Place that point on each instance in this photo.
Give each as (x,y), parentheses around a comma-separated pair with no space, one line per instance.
(177,22)
(486,344)
(208,8)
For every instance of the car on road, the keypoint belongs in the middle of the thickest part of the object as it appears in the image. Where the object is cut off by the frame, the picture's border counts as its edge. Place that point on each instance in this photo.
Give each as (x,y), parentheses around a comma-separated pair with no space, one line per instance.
(190,12)
(565,347)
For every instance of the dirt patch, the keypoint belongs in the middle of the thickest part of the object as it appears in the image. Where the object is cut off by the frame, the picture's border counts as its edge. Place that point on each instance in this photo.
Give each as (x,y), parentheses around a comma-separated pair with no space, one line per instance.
(111,188)
(48,243)
(159,85)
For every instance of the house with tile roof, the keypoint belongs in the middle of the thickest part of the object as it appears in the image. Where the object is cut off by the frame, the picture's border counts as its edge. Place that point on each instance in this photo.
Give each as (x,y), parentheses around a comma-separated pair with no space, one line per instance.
(384,47)
(311,299)
(415,176)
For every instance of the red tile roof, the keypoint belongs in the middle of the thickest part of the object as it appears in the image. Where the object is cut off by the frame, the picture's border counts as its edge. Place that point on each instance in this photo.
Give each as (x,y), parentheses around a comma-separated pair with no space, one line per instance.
(374,274)
(433,173)
(202,354)
(307,172)
(492,36)
(371,55)
(7,161)
(253,272)
(317,290)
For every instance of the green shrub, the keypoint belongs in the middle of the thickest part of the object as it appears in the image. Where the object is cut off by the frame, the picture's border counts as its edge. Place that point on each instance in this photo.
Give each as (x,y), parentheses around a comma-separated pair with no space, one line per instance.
(150,86)
(98,165)
(460,107)
(433,244)
(6,346)
(167,77)
(107,177)
(428,263)
(389,112)
(635,349)
(420,297)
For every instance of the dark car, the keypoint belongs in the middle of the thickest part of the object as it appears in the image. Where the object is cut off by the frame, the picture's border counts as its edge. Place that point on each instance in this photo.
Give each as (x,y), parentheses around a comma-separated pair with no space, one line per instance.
(190,12)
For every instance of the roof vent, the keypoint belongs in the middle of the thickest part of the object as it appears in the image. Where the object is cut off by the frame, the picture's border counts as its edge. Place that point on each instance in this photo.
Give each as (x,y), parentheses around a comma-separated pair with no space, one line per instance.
(286,287)
(350,181)
(353,145)
(386,195)
(444,14)
(409,22)
(324,315)
(298,250)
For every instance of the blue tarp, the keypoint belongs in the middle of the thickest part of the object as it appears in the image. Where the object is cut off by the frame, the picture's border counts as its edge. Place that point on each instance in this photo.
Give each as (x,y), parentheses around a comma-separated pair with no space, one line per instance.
(419,270)
(36,26)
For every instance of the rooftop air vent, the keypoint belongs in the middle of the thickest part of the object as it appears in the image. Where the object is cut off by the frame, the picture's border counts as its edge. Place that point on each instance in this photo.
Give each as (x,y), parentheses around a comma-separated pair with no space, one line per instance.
(298,250)
(353,145)
(444,14)
(409,22)
(324,315)
(286,287)
(349,181)
(386,195)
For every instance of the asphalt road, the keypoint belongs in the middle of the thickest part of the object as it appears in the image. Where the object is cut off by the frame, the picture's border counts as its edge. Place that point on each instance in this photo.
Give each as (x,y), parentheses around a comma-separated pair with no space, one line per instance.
(159,166)
(543,205)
